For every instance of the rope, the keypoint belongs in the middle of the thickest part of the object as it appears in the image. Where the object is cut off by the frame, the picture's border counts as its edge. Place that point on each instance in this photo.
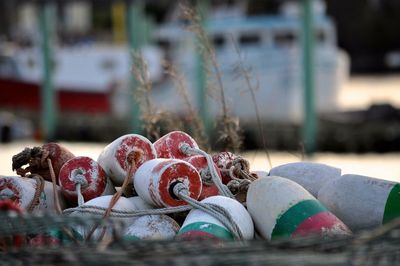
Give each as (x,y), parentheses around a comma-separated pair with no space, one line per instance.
(116,196)
(218,212)
(224,190)
(38,191)
(55,194)
(96,210)
(79,181)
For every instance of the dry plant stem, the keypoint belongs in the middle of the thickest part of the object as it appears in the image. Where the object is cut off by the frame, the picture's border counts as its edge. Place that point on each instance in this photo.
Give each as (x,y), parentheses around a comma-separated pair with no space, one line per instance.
(149,116)
(196,124)
(115,198)
(246,76)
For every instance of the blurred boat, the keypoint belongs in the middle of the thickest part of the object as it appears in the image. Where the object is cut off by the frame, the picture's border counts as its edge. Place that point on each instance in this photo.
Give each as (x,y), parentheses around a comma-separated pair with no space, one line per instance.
(94,78)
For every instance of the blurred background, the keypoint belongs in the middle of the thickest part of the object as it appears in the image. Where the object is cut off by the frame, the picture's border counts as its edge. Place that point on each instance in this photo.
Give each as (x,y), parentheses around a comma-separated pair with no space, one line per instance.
(299,76)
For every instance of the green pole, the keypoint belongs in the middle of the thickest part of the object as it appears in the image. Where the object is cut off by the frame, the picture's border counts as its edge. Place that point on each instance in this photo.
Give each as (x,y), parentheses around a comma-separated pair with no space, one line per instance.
(136,36)
(310,120)
(201,75)
(48,96)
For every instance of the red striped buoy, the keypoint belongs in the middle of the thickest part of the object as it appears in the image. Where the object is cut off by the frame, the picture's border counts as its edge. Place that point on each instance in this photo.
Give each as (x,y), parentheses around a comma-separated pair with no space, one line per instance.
(224,161)
(152,227)
(155,179)
(311,176)
(209,188)
(201,225)
(362,202)
(168,146)
(281,208)
(89,174)
(28,194)
(114,158)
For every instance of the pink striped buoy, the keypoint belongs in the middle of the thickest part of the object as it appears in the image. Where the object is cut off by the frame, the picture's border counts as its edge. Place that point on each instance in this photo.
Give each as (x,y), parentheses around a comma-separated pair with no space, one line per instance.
(362,202)
(209,188)
(89,174)
(23,191)
(168,146)
(311,176)
(152,227)
(201,225)
(114,158)
(224,161)
(281,208)
(155,179)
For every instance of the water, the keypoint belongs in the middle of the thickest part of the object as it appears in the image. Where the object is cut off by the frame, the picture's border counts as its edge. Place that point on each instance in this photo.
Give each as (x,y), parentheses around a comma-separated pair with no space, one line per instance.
(385,166)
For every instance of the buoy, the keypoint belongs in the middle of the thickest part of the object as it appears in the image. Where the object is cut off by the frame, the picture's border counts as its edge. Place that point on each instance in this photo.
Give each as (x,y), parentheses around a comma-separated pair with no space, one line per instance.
(31,193)
(281,208)
(152,227)
(123,204)
(209,188)
(168,146)
(261,173)
(224,161)
(11,208)
(88,174)
(37,157)
(201,225)
(311,176)
(362,202)
(155,179)
(114,158)
(140,204)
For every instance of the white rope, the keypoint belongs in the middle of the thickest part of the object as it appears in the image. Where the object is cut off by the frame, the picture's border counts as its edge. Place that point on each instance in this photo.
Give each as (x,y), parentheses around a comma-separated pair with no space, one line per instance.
(79,181)
(97,210)
(224,190)
(218,212)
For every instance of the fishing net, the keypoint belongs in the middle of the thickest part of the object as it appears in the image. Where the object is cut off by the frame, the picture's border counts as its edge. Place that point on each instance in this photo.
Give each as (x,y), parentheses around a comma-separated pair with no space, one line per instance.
(380,246)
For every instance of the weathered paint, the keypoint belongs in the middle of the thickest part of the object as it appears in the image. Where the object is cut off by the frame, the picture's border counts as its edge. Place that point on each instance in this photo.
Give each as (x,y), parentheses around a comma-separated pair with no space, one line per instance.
(154,180)
(114,157)
(152,227)
(200,163)
(224,161)
(311,176)
(199,224)
(96,178)
(168,146)
(22,190)
(360,201)
(282,208)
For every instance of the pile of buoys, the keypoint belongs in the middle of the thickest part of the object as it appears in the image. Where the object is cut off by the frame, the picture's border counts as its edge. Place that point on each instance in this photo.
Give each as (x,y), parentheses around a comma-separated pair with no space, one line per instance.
(144,185)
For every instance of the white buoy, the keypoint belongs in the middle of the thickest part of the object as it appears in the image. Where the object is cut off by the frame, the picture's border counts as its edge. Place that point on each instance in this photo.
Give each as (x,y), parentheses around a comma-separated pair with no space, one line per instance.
(152,227)
(140,204)
(362,202)
(168,146)
(281,208)
(123,204)
(155,179)
(311,176)
(199,224)
(24,189)
(260,173)
(114,158)
(88,174)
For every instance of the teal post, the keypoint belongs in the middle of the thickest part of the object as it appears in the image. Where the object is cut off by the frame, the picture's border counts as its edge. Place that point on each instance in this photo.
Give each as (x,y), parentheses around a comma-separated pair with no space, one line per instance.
(48,95)
(310,119)
(136,38)
(201,75)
